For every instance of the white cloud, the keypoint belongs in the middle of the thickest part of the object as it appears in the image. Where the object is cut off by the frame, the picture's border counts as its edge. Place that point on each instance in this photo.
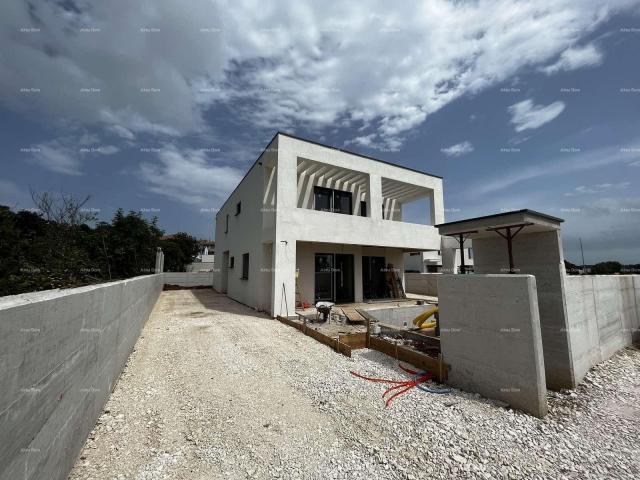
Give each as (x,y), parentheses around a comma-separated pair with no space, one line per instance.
(189,176)
(66,154)
(458,149)
(599,188)
(574,58)
(156,67)
(525,115)
(561,165)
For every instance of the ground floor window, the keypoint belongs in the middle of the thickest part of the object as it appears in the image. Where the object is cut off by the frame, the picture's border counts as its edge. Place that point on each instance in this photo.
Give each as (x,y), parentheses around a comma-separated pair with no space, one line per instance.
(245,266)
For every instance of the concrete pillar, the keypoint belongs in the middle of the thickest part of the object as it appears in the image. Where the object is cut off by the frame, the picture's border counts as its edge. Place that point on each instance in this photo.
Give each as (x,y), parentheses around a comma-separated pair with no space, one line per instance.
(437,206)
(284,278)
(284,246)
(375,196)
(157,268)
(448,253)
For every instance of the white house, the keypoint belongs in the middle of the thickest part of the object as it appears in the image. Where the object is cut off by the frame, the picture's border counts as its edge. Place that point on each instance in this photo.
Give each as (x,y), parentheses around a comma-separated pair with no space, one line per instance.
(446,260)
(311,222)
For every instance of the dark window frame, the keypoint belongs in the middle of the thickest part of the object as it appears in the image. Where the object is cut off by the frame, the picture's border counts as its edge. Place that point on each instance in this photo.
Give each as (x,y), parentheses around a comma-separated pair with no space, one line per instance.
(332,194)
(245,266)
(363,208)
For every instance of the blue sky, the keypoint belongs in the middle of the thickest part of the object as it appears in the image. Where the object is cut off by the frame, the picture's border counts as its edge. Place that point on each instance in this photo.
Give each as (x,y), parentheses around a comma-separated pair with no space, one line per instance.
(152,106)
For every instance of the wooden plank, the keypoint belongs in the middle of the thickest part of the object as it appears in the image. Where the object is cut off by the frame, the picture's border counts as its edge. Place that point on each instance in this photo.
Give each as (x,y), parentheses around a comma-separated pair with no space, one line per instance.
(352,314)
(344,349)
(291,323)
(354,340)
(404,354)
(322,338)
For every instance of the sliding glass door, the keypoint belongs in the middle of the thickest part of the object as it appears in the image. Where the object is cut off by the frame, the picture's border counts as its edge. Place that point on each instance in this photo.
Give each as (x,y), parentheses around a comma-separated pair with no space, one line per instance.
(334,277)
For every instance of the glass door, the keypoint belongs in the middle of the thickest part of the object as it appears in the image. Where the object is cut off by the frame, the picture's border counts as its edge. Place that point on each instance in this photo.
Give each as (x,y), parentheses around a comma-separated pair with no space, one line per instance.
(373,279)
(324,277)
(344,278)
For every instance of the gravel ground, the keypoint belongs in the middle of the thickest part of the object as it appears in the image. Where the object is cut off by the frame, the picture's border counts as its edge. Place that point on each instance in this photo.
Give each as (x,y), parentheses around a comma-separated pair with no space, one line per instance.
(215,390)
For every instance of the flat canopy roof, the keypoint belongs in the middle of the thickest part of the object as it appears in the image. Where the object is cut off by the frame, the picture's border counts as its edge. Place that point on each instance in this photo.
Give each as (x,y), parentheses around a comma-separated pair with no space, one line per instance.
(480,227)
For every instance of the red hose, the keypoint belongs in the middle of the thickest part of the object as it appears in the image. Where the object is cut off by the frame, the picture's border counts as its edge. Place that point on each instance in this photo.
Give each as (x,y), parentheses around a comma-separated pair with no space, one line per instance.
(405,385)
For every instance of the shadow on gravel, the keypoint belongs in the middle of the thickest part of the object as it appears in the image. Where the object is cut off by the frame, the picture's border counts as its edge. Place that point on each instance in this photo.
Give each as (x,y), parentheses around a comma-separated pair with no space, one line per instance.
(379,358)
(212,300)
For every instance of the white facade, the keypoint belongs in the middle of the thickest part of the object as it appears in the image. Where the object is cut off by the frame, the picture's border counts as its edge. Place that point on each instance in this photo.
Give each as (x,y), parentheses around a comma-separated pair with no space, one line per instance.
(272,216)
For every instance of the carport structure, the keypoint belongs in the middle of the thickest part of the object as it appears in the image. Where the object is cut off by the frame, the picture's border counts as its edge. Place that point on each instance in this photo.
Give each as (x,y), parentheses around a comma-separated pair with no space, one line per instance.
(507,225)
(527,242)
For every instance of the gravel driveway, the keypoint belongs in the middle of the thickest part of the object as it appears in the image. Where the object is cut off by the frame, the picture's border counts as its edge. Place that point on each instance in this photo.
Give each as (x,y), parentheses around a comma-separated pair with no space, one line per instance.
(216,390)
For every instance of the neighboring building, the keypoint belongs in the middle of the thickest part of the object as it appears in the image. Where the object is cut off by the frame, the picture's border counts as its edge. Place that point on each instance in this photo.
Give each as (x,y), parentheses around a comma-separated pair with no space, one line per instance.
(310,222)
(432,261)
(204,261)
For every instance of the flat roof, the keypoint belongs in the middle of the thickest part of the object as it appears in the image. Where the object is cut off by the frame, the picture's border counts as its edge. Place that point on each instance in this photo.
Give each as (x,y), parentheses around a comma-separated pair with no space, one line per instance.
(480,226)
(321,145)
(356,154)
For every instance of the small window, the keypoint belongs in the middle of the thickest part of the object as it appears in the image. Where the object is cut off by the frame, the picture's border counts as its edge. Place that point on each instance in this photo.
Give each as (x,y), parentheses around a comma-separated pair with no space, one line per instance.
(363,208)
(245,266)
(232,262)
(238,208)
(471,253)
(226,225)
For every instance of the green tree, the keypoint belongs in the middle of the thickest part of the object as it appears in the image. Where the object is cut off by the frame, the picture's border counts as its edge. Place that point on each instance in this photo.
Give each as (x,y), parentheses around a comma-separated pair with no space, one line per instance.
(606,268)
(131,244)
(180,249)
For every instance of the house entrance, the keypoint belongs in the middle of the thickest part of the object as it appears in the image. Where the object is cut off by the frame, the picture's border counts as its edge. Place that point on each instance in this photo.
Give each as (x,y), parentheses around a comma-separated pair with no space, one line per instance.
(334,277)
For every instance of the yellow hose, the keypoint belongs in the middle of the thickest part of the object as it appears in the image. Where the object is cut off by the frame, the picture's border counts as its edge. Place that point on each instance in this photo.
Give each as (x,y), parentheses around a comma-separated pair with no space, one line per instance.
(428,325)
(420,319)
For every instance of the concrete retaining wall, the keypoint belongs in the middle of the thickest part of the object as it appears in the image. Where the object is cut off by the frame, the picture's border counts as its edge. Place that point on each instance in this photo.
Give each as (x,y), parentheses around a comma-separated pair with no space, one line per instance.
(189,279)
(538,254)
(490,337)
(422,283)
(604,316)
(200,266)
(61,352)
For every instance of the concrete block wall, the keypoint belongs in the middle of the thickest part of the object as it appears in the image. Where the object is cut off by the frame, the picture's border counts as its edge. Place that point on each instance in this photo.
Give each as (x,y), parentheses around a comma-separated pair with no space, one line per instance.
(490,336)
(61,352)
(539,254)
(604,316)
(189,279)
(422,283)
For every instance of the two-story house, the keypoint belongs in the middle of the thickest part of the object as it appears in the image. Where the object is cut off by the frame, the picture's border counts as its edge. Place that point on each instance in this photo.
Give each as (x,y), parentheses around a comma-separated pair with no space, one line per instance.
(310,222)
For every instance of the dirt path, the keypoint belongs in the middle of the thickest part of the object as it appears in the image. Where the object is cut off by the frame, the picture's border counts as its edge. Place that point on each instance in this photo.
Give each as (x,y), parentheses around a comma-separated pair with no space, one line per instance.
(215,390)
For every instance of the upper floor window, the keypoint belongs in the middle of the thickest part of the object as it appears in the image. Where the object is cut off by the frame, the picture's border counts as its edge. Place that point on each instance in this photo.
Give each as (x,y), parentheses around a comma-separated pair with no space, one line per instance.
(329,200)
(363,208)
(238,208)
(226,224)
